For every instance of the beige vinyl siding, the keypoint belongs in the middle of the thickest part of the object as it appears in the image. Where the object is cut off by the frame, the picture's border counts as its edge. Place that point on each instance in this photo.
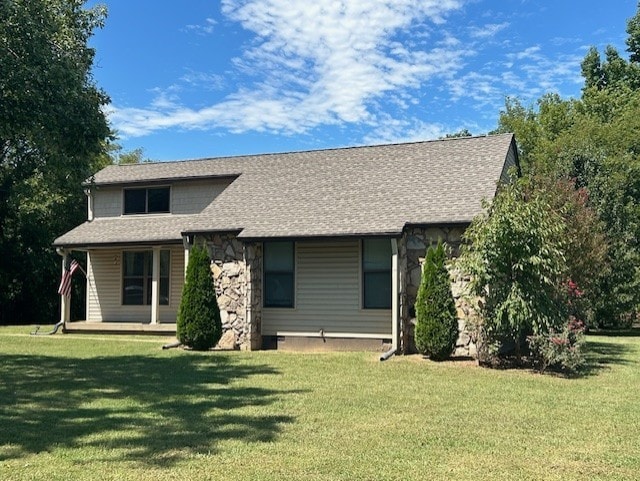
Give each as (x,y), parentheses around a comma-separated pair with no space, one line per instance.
(192,197)
(104,289)
(186,197)
(327,296)
(107,201)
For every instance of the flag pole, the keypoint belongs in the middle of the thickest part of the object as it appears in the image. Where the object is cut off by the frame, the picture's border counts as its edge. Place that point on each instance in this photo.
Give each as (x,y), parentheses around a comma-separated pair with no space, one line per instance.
(65,300)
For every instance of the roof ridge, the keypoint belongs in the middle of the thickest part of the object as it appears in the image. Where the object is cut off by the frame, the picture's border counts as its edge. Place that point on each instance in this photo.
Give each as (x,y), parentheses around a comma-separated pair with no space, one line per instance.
(327,149)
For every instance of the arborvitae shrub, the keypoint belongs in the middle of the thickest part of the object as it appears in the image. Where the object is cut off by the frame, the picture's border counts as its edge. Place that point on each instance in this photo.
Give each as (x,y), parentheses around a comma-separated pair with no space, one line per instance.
(436,329)
(198,324)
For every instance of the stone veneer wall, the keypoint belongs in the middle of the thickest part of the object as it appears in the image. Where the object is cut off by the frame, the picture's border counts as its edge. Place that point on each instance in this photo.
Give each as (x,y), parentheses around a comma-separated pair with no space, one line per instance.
(237,275)
(412,250)
(237,272)
(253,299)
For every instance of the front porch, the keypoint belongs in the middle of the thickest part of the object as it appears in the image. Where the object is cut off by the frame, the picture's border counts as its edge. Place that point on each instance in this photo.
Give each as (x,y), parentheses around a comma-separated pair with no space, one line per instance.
(84,327)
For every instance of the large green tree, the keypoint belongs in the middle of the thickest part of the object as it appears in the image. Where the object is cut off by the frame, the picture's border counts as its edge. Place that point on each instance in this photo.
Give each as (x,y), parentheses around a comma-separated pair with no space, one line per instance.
(52,136)
(593,142)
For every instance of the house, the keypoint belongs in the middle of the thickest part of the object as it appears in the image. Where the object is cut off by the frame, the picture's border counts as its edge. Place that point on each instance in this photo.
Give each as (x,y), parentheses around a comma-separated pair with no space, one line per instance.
(320,248)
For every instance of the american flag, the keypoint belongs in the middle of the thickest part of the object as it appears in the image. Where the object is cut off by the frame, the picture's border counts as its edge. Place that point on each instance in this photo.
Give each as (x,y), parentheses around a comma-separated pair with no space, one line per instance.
(65,282)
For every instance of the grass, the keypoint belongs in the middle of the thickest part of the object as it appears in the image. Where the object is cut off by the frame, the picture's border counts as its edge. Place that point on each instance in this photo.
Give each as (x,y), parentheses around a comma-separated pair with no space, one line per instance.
(120,408)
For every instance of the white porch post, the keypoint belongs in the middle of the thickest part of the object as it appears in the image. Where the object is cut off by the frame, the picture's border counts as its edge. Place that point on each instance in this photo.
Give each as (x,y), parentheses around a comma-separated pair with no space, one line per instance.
(395,294)
(65,301)
(155,286)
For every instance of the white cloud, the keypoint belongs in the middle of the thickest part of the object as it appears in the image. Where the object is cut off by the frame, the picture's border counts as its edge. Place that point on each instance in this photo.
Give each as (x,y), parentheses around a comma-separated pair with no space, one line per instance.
(205,28)
(488,30)
(526,74)
(527,53)
(204,80)
(393,131)
(313,63)
(371,64)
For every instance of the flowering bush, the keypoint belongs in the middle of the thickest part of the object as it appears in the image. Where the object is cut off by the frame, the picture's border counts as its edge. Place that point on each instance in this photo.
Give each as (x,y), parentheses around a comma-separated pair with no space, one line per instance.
(560,351)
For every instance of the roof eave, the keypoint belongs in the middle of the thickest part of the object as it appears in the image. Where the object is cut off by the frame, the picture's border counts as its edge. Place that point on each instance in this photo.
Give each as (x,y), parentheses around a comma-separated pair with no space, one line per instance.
(161,180)
(92,245)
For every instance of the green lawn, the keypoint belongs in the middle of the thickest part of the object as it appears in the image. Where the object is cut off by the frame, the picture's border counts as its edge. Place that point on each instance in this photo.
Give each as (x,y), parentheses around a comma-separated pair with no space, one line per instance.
(120,408)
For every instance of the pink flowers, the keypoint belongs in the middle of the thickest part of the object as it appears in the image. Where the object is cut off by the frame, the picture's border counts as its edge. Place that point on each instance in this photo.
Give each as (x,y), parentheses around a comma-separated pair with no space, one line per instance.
(559,341)
(575,325)
(574,291)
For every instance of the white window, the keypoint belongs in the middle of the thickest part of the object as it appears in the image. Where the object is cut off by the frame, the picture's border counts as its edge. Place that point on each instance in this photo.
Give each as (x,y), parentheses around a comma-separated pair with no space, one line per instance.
(137,275)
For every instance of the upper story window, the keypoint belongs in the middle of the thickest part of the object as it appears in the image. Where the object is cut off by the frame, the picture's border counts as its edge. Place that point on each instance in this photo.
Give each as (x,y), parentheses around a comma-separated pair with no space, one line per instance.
(376,273)
(279,268)
(147,200)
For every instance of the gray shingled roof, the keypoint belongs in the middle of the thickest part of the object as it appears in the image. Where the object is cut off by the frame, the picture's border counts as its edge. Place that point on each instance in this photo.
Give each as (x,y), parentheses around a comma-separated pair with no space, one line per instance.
(340,192)
(127,229)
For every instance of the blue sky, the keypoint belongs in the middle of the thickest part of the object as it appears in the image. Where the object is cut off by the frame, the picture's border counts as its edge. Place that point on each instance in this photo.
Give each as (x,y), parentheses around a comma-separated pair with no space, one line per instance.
(212,78)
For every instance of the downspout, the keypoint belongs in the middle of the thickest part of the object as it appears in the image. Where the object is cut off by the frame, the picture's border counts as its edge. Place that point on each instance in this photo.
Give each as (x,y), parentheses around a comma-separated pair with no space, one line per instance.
(395,294)
(90,208)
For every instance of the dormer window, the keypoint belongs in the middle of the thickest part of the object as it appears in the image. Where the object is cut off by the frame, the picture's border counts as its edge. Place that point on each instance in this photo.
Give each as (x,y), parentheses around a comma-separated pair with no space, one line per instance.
(148,200)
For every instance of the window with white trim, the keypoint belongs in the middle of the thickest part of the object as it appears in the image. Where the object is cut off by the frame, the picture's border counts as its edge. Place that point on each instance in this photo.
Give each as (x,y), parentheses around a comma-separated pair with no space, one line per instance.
(137,277)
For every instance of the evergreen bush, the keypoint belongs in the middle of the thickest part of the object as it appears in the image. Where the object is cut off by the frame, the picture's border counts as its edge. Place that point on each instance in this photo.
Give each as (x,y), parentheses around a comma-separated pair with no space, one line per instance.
(436,329)
(198,324)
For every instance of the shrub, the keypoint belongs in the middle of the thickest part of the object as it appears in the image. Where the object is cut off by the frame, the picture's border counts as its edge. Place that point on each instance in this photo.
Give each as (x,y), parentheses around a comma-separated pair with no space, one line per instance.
(585,247)
(436,323)
(560,351)
(198,324)
(514,257)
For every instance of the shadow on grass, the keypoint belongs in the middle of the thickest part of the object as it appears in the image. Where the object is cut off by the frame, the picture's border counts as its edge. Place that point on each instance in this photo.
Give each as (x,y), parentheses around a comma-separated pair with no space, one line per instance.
(154,410)
(627,332)
(600,356)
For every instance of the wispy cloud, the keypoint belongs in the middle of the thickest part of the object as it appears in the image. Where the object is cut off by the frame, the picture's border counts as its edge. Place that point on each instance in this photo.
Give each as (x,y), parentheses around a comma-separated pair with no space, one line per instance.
(205,28)
(390,131)
(488,30)
(526,74)
(532,52)
(203,80)
(384,67)
(314,63)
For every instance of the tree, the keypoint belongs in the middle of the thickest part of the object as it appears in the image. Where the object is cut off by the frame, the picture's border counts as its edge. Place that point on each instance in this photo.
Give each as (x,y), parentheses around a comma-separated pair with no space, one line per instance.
(633,38)
(592,69)
(436,329)
(198,324)
(115,154)
(585,245)
(592,143)
(458,134)
(522,121)
(514,256)
(135,156)
(52,131)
